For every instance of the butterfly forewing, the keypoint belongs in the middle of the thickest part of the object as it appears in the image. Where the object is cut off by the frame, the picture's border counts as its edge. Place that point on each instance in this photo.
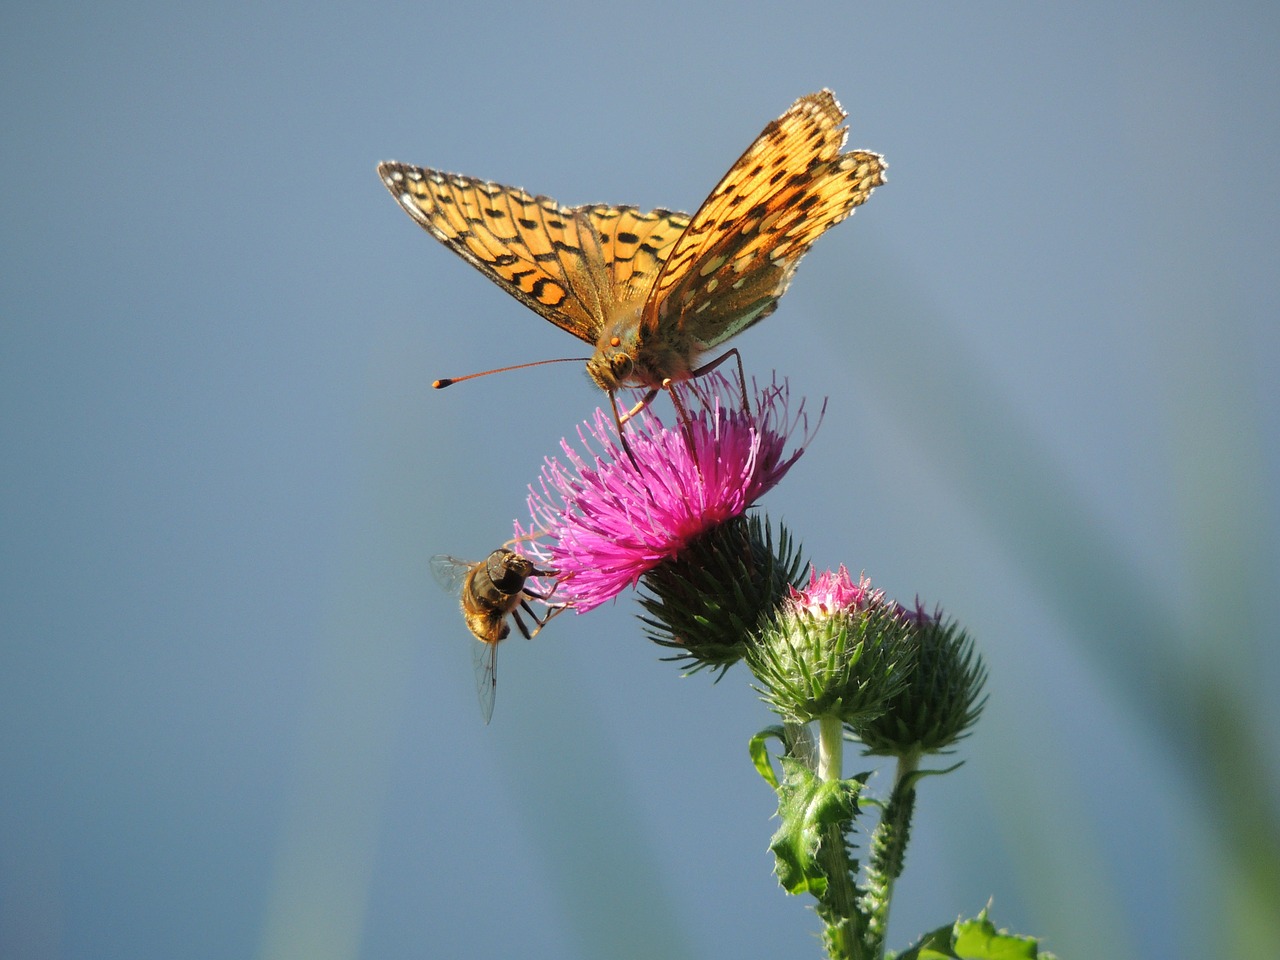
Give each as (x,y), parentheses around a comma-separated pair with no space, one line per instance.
(740,250)
(546,255)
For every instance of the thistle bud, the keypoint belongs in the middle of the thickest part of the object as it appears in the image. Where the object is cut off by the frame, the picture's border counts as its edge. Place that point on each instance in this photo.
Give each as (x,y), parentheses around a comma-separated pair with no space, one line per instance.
(835,648)
(942,698)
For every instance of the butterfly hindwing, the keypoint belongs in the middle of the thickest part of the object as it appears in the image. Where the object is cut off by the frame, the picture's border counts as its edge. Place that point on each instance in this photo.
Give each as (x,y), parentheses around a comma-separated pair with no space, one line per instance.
(635,245)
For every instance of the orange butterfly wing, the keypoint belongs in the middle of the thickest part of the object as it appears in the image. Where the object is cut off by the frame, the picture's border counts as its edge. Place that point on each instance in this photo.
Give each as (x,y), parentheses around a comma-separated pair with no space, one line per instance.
(572,265)
(743,245)
(545,255)
(635,245)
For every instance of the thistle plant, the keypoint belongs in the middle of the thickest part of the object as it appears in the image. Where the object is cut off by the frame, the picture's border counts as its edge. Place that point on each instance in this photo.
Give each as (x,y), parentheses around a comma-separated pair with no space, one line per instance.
(835,659)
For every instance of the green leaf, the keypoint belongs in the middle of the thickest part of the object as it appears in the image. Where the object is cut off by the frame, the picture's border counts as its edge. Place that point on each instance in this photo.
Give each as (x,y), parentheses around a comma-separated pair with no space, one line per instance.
(806,805)
(976,939)
(932,946)
(760,753)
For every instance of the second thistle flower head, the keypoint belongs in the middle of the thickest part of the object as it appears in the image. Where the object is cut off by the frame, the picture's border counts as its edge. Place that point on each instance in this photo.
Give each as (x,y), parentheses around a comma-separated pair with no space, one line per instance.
(943,698)
(672,512)
(835,648)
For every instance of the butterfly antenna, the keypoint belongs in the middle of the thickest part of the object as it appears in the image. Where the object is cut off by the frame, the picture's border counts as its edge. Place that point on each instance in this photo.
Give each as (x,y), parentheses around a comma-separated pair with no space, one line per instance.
(686,425)
(450,381)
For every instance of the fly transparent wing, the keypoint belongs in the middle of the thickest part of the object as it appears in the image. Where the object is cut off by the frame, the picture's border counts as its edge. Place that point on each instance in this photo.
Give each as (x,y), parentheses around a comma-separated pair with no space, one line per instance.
(484,656)
(450,572)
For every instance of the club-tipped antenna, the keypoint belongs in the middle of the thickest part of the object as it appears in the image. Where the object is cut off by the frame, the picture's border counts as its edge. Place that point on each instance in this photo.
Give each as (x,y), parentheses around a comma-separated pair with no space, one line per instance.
(450,381)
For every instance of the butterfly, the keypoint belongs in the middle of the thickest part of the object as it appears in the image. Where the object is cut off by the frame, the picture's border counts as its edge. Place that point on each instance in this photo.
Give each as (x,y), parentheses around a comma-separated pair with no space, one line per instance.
(489,591)
(652,291)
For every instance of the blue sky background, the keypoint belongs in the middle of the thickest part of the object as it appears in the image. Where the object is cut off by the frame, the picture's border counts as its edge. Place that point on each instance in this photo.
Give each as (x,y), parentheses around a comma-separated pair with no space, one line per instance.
(237,716)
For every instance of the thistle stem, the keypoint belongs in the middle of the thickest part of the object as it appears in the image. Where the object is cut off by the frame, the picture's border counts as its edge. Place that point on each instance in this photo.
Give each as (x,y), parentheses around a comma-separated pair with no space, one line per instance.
(888,852)
(830,748)
(839,910)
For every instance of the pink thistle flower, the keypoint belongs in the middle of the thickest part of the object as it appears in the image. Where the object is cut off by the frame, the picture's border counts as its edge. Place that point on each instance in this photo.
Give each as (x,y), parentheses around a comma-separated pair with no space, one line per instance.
(832,594)
(602,521)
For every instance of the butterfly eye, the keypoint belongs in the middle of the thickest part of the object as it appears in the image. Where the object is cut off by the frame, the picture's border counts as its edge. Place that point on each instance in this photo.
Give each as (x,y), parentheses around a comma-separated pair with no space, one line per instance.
(621,364)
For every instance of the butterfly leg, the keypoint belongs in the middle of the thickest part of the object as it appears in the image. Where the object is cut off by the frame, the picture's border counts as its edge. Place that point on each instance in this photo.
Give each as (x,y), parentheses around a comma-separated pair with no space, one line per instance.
(742,374)
(685,423)
(619,420)
(644,402)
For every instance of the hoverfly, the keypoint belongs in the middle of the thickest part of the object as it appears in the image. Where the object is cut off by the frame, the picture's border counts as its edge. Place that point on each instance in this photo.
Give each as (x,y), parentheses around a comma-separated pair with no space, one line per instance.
(489,591)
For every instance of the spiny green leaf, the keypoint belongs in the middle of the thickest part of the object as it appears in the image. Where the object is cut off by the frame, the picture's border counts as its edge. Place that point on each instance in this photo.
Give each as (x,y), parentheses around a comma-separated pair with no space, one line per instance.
(806,805)
(935,945)
(976,939)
